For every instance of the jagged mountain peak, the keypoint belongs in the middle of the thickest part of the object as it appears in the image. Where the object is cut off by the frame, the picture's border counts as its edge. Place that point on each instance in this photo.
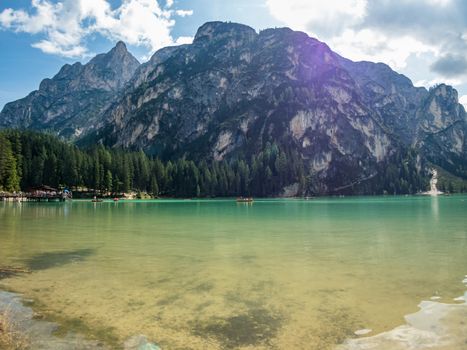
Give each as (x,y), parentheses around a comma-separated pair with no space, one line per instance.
(120,51)
(282,33)
(445,91)
(120,46)
(218,30)
(72,102)
(116,59)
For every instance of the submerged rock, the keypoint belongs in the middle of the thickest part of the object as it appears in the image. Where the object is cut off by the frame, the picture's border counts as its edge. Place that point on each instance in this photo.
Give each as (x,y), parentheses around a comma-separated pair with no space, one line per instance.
(140,342)
(40,334)
(47,260)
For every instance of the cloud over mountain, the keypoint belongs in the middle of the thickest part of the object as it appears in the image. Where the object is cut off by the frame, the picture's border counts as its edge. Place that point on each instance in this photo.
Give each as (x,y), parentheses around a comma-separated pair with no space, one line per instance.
(382,30)
(63,26)
(450,65)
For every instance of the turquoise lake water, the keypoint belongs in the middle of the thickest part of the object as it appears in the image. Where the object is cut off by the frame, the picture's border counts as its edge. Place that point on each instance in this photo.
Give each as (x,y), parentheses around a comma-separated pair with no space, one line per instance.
(216,274)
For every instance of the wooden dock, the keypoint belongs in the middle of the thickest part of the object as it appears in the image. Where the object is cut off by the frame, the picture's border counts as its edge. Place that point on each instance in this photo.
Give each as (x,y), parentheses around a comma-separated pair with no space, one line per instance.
(25,197)
(41,193)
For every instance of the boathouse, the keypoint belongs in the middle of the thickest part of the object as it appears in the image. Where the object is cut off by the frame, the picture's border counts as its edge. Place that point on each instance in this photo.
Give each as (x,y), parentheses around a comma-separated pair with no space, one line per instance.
(43,191)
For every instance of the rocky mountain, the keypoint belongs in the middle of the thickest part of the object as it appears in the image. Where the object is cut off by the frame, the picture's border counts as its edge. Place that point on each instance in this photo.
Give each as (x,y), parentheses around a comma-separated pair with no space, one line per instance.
(72,102)
(433,122)
(234,92)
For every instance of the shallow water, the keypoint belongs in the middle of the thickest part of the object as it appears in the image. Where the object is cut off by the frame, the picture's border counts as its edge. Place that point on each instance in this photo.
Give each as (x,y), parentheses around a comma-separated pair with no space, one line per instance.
(284,274)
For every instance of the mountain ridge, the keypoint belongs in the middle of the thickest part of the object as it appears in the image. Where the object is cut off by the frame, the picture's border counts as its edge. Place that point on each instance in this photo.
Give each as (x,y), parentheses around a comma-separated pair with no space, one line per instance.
(71,102)
(233,91)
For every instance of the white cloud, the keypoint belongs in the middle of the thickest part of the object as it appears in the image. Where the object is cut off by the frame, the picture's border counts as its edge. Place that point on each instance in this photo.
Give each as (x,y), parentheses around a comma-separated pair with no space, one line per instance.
(66,24)
(316,16)
(463,100)
(9,16)
(340,24)
(439,2)
(184,13)
(371,45)
(376,30)
(20,20)
(184,40)
(52,48)
(432,82)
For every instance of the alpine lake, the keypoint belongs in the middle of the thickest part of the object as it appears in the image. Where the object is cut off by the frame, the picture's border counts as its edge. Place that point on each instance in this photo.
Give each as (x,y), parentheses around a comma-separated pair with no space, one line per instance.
(324,273)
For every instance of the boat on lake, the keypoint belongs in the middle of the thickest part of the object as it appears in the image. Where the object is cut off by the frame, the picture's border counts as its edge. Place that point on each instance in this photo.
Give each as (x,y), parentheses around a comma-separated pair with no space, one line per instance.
(245,199)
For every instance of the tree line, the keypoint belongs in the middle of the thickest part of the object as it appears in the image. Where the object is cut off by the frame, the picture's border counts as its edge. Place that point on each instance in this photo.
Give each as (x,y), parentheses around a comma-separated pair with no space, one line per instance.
(29,159)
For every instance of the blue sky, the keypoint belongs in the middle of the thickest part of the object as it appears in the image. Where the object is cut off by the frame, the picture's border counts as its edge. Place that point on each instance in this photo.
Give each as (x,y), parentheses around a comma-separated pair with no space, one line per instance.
(423,39)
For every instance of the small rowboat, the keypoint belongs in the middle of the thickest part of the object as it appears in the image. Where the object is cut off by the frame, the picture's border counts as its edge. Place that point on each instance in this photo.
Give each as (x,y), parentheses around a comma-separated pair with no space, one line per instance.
(245,199)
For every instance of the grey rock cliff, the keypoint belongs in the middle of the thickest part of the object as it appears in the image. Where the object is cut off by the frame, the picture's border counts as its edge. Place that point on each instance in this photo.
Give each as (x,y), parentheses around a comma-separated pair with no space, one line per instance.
(72,102)
(234,90)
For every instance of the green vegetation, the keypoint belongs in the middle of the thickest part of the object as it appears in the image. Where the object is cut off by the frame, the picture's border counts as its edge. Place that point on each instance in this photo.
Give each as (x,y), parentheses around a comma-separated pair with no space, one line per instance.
(9,169)
(450,183)
(30,159)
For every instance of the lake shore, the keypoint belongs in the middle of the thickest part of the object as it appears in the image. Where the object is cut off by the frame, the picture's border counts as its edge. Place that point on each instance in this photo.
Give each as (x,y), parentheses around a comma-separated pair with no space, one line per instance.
(437,326)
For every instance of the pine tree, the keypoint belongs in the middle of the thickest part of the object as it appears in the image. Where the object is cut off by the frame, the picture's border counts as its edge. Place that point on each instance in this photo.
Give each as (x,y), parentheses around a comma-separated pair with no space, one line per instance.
(9,180)
(154,186)
(108,181)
